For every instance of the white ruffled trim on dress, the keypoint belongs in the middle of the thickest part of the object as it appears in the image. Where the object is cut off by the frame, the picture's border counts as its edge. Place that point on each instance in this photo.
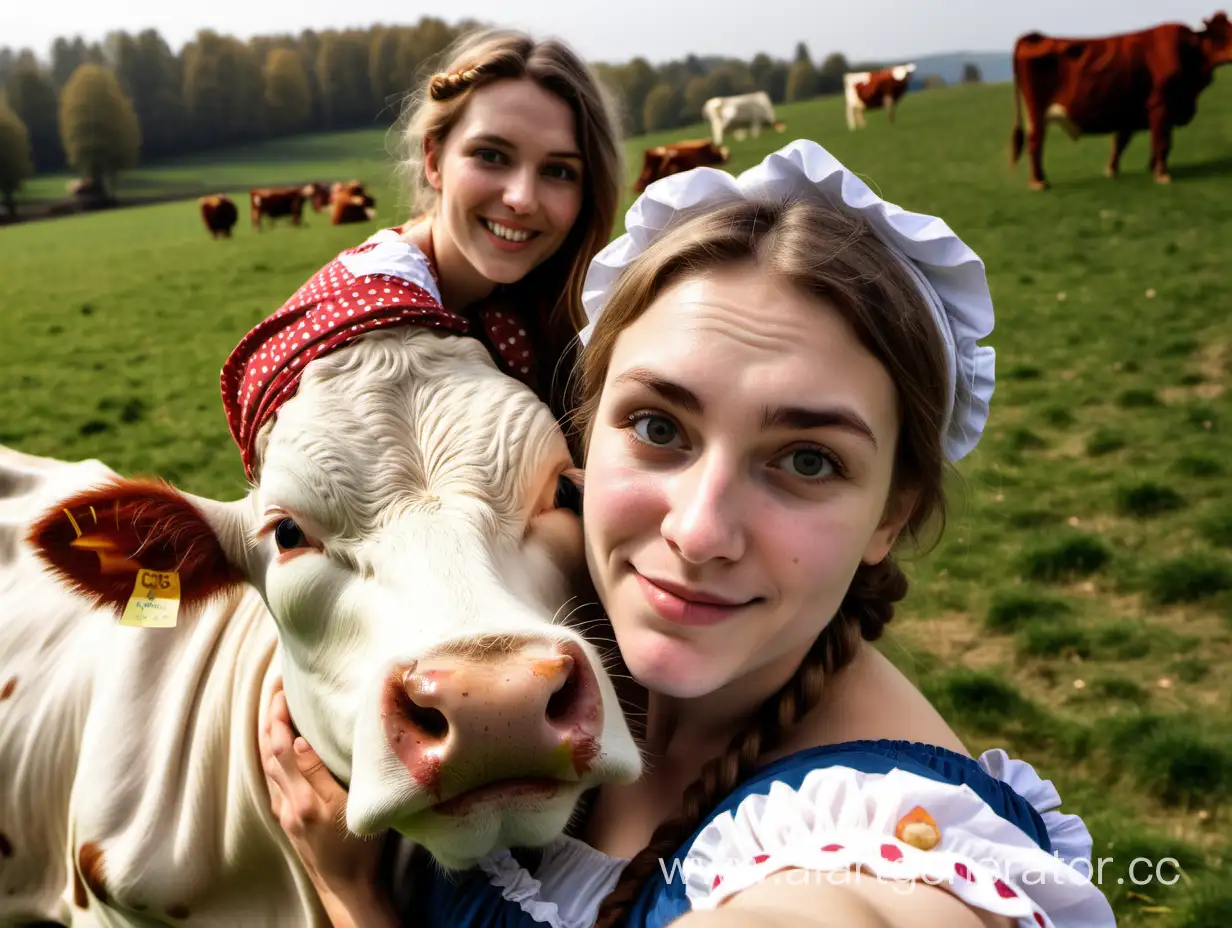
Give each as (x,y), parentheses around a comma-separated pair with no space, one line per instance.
(518,886)
(394,257)
(842,819)
(1067,833)
(573,878)
(840,806)
(949,274)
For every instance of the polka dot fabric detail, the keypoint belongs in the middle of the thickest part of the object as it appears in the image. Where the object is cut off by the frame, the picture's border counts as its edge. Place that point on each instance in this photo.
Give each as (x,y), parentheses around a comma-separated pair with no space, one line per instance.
(330,311)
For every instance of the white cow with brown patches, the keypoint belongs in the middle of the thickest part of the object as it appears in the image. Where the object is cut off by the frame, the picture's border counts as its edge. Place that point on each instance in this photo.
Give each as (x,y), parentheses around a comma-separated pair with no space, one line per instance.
(400,561)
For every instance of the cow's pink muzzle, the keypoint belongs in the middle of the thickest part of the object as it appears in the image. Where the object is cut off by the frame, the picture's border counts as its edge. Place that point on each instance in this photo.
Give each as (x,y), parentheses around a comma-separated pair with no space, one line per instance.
(497,725)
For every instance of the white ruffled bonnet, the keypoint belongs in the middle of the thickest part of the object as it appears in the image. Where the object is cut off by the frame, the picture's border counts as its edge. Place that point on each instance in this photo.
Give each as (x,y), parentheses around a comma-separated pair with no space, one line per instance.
(949,274)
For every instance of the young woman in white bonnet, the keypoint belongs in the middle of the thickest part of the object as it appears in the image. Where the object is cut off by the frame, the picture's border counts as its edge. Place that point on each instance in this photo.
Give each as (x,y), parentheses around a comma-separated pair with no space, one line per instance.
(779,369)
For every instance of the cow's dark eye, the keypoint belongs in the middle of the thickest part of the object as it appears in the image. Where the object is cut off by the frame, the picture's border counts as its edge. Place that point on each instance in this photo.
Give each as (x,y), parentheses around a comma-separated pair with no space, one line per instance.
(568,495)
(288,535)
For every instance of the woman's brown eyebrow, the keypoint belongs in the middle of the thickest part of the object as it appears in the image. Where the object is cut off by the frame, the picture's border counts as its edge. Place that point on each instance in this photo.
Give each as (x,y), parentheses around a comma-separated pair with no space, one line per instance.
(786,417)
(672,392)
(493,139)
(795,417)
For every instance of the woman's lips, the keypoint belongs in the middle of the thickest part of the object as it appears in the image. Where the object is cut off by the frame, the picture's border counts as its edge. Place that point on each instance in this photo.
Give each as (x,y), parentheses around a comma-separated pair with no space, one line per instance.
(684,606)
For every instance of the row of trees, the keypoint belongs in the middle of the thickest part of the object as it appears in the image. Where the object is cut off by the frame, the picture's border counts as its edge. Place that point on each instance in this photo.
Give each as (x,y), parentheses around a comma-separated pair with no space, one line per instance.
(133,91)
(97,129)
(219,91)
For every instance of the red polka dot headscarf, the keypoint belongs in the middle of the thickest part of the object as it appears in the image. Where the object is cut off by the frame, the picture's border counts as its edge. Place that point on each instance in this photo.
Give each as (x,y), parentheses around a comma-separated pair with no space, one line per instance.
(383,282)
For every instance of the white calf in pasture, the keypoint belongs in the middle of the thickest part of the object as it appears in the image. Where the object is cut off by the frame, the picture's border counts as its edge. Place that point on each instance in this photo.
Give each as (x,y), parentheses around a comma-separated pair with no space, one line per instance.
(749,110)
(399,560)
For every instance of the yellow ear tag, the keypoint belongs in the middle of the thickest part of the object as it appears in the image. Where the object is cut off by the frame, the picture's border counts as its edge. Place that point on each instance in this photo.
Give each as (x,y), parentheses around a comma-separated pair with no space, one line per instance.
(155,601)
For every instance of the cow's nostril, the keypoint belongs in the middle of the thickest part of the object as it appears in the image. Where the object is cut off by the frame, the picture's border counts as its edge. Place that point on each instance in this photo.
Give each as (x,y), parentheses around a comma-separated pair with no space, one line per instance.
(424,719)
(562,702)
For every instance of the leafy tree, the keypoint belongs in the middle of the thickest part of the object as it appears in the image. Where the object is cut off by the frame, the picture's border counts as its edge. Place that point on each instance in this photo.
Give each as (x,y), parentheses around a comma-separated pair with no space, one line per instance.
(287,95)
(661,108)
(98,127)
(342,71)
(801,81)
(383,70)
(15,162)
(224,90)
(830,75)
(32,96)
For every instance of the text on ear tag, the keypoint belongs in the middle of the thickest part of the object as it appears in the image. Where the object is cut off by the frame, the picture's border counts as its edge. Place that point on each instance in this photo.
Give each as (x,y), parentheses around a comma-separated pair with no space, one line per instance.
(155,601)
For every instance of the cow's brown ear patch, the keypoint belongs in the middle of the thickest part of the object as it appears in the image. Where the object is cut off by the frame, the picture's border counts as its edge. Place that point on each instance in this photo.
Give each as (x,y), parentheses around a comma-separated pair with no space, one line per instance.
(97,540)
(90,865)
(8,689)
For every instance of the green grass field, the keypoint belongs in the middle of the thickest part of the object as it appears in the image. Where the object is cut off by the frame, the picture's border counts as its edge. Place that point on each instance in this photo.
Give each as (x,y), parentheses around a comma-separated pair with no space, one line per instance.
(1078,611)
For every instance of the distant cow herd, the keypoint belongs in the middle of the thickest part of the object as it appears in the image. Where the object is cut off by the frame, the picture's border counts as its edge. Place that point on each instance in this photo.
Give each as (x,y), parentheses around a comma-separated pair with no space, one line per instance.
(1117,85)
(1145,81)
(347,202)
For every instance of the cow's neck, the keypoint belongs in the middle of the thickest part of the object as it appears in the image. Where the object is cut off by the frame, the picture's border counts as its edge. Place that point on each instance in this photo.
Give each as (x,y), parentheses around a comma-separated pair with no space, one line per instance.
(180,812)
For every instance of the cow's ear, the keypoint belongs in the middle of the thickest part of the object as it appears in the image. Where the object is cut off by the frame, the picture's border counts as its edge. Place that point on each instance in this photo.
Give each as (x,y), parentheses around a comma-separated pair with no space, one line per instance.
(98,540)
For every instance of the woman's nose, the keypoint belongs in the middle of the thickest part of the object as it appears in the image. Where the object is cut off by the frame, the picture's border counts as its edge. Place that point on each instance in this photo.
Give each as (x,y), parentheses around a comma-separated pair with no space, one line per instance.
(703,521)
(520,192)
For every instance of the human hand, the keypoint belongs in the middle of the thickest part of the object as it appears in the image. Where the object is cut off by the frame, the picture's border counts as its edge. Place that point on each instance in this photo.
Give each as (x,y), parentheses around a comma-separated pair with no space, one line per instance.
(310,806)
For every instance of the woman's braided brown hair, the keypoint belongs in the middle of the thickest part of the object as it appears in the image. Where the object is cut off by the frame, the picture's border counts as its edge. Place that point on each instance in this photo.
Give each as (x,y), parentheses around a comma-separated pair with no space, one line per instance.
(445,85)
(833,256)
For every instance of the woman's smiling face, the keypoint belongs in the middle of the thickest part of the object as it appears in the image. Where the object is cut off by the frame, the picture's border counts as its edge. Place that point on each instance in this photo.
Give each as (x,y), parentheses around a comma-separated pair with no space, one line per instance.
(509,176)
(738,472)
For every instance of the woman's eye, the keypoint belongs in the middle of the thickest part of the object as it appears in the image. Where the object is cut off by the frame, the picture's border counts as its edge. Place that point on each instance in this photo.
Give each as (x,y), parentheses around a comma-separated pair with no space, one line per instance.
(488,155)
(655,430)
(560,172)
(808,462)
(288,535)
(568,495)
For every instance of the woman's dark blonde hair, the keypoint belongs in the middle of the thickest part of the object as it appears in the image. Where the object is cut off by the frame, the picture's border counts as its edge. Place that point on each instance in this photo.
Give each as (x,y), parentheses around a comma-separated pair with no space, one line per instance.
(481,57)
(834,256)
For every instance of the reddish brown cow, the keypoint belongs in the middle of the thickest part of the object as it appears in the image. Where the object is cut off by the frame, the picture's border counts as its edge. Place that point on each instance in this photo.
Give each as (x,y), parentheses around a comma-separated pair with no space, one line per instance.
(348,188)
(1115,85)
(219,214)
(350,203)
(871,90)
(276,202)
(674,157)
(318,195)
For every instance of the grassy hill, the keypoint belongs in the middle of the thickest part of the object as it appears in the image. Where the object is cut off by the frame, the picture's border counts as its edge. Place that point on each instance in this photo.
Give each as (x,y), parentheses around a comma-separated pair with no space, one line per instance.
(1078,611)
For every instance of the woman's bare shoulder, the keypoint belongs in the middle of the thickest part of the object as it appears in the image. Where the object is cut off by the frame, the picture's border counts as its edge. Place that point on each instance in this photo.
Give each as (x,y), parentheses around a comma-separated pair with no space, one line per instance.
(871,699)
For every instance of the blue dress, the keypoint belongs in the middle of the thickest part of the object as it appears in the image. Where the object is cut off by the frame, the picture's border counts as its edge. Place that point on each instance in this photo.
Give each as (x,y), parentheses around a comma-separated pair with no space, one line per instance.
(987,829)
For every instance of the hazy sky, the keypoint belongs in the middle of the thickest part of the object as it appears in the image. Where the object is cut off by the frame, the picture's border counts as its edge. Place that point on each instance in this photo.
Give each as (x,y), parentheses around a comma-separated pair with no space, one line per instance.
(616,31)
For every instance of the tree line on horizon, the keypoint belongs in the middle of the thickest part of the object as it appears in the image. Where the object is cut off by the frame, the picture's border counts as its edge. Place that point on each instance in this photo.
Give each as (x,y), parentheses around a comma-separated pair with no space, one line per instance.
(99,108)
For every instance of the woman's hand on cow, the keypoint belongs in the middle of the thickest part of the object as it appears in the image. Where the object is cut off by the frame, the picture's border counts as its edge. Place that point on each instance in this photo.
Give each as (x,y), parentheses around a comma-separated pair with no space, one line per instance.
(310,806)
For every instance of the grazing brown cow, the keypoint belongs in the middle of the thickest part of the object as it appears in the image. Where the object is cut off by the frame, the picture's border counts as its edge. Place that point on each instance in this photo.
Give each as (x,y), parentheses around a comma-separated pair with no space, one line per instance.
(871,90)
(675,157)
(219,214)
(276,202)
(318,195)
(351,204)
(348,188)
(1115,85)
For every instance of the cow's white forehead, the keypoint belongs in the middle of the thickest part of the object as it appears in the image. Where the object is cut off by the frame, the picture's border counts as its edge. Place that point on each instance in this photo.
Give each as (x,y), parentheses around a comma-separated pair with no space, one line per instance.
(407,420)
